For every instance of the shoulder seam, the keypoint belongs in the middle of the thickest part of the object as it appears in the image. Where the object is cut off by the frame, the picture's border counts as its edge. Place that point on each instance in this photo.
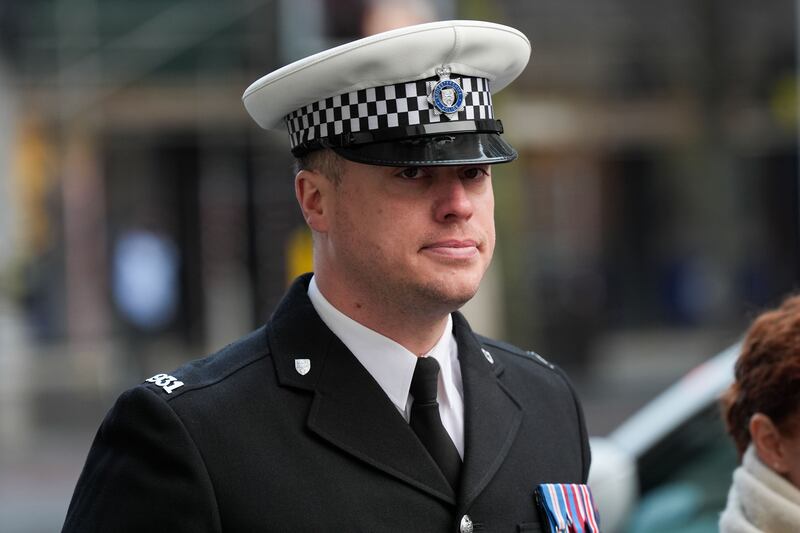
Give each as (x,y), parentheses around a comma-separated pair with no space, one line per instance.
(199,386)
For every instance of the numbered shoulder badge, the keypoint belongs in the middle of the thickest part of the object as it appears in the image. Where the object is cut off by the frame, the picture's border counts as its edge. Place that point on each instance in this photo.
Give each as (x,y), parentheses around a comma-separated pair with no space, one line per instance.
(166,382)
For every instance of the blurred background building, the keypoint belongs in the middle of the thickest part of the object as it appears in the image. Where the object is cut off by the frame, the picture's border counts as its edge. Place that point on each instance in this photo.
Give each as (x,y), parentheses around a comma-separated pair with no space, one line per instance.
(145,219)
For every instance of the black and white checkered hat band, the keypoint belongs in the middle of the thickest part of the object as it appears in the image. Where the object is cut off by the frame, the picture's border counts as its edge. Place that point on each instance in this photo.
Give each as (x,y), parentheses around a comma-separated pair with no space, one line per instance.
(379,108)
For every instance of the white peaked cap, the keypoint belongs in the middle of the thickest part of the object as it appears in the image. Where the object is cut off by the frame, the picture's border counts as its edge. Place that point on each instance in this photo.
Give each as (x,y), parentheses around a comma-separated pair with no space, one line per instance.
(486,56)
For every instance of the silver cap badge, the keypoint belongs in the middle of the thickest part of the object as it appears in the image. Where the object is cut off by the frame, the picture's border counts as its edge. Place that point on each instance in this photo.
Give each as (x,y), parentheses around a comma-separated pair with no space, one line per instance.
(446,95)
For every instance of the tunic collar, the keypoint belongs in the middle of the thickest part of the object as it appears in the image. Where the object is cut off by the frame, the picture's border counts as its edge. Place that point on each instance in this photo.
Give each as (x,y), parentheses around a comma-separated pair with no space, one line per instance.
(388,362)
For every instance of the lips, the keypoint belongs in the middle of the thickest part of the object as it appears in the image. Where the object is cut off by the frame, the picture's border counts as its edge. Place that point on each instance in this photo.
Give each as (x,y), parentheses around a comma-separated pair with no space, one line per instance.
(453,243)
(454,248)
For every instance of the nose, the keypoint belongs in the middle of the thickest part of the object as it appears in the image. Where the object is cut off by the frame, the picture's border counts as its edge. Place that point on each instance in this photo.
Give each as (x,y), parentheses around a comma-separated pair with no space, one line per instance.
(453,201)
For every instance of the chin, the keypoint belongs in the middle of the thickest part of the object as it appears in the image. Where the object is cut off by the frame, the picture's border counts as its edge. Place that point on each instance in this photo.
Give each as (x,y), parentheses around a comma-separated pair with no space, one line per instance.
(452,293)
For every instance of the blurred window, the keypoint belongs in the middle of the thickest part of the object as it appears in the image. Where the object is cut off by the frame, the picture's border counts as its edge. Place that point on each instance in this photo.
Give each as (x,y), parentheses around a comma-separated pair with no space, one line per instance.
(684,479)
(145,279)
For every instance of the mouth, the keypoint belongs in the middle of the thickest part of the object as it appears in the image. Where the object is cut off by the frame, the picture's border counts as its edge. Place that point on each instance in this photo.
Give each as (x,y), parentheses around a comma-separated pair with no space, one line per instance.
(453,248)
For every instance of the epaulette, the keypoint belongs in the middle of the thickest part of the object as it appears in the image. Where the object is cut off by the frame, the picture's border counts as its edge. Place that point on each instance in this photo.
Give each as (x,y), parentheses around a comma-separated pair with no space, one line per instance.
(215,368)
(510,348)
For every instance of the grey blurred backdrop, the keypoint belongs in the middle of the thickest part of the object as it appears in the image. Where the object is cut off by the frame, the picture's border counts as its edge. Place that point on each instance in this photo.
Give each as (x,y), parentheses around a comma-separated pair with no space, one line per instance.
(145,220)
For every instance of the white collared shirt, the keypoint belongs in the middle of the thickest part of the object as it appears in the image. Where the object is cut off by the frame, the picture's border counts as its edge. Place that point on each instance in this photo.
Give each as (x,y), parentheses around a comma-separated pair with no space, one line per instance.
(392,365)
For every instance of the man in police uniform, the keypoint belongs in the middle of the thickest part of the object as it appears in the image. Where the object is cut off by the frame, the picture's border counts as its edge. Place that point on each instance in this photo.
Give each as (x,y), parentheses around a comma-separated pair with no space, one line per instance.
(366,403)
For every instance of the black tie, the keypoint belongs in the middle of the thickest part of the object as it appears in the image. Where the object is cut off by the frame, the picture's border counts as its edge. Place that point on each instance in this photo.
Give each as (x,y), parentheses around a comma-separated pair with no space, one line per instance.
(426,422)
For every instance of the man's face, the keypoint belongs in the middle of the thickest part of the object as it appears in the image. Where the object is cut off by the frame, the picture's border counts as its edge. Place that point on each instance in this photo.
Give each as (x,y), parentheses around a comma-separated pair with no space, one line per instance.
(420,236)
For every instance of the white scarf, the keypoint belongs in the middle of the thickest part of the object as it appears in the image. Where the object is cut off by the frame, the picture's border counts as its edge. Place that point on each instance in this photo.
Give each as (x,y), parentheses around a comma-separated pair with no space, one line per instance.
(760,501)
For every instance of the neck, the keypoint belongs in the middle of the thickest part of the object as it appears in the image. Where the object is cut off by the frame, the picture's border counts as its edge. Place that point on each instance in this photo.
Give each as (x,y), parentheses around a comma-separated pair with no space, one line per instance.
(414,329)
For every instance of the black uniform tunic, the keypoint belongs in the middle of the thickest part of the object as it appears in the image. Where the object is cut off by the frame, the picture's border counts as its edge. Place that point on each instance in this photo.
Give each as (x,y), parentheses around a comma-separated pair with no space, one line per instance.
(249,444)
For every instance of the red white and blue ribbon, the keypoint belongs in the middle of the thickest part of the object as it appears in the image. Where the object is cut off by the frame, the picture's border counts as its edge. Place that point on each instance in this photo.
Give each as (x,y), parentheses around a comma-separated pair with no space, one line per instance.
(568,508)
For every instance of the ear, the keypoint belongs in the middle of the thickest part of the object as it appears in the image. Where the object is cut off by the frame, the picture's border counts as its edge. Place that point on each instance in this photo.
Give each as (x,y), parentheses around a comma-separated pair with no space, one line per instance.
(769,443)
(312,190)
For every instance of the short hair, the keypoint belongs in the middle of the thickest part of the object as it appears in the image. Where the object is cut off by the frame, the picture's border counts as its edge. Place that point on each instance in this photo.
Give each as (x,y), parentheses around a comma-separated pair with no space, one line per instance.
(767,375)
(325,161)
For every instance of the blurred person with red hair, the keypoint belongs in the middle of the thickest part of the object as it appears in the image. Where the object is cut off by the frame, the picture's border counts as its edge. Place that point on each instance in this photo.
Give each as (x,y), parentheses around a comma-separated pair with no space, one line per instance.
(762,413)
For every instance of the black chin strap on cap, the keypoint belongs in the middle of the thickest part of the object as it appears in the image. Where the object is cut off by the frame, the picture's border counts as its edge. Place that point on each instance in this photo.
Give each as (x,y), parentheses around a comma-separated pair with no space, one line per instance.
(441,144)
(411,133)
